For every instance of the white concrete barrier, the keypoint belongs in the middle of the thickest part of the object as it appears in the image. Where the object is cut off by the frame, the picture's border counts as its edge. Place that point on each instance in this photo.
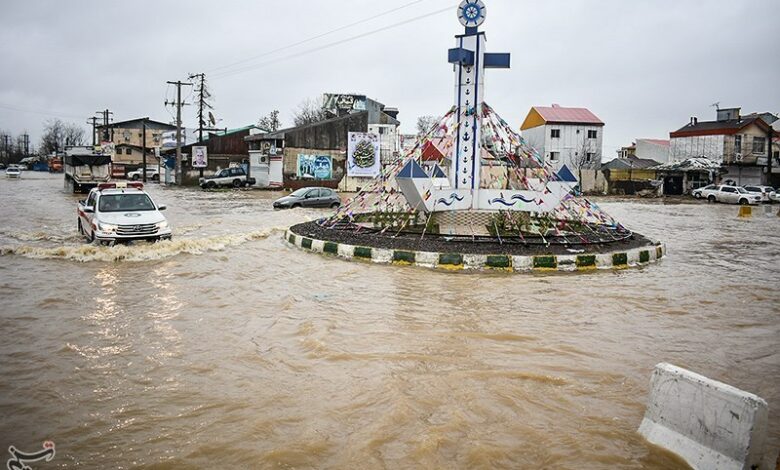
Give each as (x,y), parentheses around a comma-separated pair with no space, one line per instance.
(710,424)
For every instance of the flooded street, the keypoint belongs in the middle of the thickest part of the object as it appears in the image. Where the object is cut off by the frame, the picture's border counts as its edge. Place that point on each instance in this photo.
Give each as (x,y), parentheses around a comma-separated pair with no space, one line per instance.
(226,347)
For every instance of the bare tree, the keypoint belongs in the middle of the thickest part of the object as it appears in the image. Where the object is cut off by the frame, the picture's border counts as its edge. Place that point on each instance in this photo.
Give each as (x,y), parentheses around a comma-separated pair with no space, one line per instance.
(309,111)
(58,134)
(425,124)
(584,158)
(271,121)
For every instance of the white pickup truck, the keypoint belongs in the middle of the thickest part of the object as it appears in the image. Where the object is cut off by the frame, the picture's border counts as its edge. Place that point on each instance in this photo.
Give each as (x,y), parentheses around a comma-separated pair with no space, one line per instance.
(116,212)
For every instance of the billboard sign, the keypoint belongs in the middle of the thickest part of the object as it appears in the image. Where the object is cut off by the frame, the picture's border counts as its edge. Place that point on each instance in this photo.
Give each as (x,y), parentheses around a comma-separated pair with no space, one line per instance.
(363,154)
(337,103)
(315,167)
(200,157)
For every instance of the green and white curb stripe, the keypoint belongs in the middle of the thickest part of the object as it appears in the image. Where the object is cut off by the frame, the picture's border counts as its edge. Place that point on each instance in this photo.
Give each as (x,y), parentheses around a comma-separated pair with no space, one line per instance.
(454,261)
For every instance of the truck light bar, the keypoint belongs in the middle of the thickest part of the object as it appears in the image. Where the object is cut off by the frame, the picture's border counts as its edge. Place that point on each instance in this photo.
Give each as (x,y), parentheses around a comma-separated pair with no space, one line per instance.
(134,184)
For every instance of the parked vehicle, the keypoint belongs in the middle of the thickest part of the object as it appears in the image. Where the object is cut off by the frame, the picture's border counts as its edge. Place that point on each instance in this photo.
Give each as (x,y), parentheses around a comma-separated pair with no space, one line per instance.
(151,174)
(116,212)
(309,197)
(733,195)
(704,193)
(762,191)
(85,169)
(13,172)
(235,177)
(774,196)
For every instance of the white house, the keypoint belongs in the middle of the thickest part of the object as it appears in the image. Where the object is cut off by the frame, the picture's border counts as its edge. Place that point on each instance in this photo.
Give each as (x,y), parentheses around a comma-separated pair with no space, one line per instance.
(571,136)
(653,149)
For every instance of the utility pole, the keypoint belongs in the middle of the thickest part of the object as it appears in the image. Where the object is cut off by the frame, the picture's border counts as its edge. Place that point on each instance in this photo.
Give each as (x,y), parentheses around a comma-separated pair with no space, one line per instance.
(106,116)
(178,105)
(93,121)
(143,148)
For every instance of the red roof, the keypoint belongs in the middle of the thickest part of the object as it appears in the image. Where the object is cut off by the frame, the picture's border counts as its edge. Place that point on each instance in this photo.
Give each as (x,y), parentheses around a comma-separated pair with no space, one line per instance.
(556,113)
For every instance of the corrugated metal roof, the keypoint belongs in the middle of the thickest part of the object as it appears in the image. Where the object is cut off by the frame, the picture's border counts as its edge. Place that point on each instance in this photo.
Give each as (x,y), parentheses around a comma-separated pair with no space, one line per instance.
(568,115)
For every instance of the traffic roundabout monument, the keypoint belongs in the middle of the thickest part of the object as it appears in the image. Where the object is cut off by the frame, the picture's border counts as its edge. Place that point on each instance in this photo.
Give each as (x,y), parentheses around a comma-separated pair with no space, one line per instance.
(498,204)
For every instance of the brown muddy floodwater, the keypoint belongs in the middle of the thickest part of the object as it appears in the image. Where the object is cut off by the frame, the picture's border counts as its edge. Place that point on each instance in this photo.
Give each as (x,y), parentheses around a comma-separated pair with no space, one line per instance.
(227,348)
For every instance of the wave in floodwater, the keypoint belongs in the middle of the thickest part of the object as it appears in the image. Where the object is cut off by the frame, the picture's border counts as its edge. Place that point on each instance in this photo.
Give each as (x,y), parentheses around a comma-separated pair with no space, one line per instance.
(38,236)
(139,251)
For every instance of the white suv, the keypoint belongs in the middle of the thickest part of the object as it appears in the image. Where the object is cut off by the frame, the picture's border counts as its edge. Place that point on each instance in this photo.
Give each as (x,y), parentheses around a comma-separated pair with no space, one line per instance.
(116,212)
(728,194)
(151,174)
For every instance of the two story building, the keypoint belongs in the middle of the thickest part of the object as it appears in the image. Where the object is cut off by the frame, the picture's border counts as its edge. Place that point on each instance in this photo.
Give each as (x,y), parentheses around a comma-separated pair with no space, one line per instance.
(740,144)
(570,136)
(127,137)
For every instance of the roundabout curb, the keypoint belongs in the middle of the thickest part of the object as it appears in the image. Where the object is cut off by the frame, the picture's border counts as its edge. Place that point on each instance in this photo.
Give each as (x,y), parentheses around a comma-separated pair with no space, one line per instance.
(619,259)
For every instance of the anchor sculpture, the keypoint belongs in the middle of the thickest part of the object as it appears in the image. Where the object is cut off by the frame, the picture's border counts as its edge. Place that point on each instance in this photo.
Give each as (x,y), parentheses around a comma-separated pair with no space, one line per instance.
(463,192)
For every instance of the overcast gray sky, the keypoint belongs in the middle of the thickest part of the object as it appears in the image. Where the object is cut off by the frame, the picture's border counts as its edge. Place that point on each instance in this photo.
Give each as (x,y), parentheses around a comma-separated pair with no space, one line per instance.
(644,67)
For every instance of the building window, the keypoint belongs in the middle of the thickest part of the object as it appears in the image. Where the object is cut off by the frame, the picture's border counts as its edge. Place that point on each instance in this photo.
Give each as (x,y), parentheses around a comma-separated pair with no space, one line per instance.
(589,157)
(737,144)
(555,133)
(758,144)
(554,156)
(128,151)
(592,134)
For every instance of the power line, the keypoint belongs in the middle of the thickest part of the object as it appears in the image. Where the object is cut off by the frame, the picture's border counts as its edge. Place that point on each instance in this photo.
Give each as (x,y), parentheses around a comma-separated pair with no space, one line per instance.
(312,38)
(45,113)
(332,44)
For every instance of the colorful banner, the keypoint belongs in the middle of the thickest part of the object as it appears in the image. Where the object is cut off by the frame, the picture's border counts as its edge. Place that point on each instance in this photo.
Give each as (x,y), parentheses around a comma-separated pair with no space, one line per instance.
(363,154)
(315,167)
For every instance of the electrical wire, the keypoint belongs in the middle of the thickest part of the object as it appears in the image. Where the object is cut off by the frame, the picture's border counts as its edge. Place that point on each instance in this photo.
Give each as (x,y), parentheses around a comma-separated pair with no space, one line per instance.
(326,46)
(45,113)
(312,38)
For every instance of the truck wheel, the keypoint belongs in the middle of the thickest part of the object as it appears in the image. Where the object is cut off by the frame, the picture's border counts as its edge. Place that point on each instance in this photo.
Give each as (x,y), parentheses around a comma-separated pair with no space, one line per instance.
(236,183)
(711,198)
(136,177)
(90,236)
(697,195)
(211,185)
(743,202)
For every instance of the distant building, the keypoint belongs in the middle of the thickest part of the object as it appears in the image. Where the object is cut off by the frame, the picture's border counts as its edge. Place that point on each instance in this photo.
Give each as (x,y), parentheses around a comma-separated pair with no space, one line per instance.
(224,149)
(570,136)
(627,152)
(740,144)
(653,149)
(325,143)
(130,132)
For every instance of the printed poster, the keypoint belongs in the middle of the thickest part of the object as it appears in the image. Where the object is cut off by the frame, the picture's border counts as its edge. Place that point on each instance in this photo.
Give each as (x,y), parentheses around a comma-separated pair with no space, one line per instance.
(200,158)
(363,158)
(318,167)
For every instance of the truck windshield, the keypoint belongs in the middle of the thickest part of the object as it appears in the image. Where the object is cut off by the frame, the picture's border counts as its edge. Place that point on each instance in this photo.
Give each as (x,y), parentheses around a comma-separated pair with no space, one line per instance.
(125,202)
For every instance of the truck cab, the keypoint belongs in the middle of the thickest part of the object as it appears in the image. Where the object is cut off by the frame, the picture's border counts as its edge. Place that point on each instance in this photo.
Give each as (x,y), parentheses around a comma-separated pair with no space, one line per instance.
(117,212)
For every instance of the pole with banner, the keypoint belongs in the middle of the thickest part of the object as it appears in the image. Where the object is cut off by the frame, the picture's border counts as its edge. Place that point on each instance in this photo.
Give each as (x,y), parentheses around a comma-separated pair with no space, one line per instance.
(200,158)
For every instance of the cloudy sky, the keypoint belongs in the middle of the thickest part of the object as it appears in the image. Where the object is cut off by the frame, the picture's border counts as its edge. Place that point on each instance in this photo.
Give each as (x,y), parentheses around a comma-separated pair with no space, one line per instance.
(643,66)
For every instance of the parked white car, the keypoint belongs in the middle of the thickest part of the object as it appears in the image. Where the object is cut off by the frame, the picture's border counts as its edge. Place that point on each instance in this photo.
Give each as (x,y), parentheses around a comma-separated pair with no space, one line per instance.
(13,172)
(704,193)
(731,195)
(758,190)
(774,196)
(151,174)
(115,212)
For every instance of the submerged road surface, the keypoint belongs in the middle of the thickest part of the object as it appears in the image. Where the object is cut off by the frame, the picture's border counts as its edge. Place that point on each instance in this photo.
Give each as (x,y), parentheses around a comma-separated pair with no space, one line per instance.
(225,347)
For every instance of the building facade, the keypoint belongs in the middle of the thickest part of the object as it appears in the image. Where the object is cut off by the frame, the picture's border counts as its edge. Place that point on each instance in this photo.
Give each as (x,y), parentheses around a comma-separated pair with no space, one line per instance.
(565,136)
(653,149)
(740,144)
(323,144)
(131,132)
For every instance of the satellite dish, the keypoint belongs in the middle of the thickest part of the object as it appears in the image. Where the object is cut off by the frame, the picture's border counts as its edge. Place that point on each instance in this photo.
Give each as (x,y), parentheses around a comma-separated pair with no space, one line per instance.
(471,13)
(211,118)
